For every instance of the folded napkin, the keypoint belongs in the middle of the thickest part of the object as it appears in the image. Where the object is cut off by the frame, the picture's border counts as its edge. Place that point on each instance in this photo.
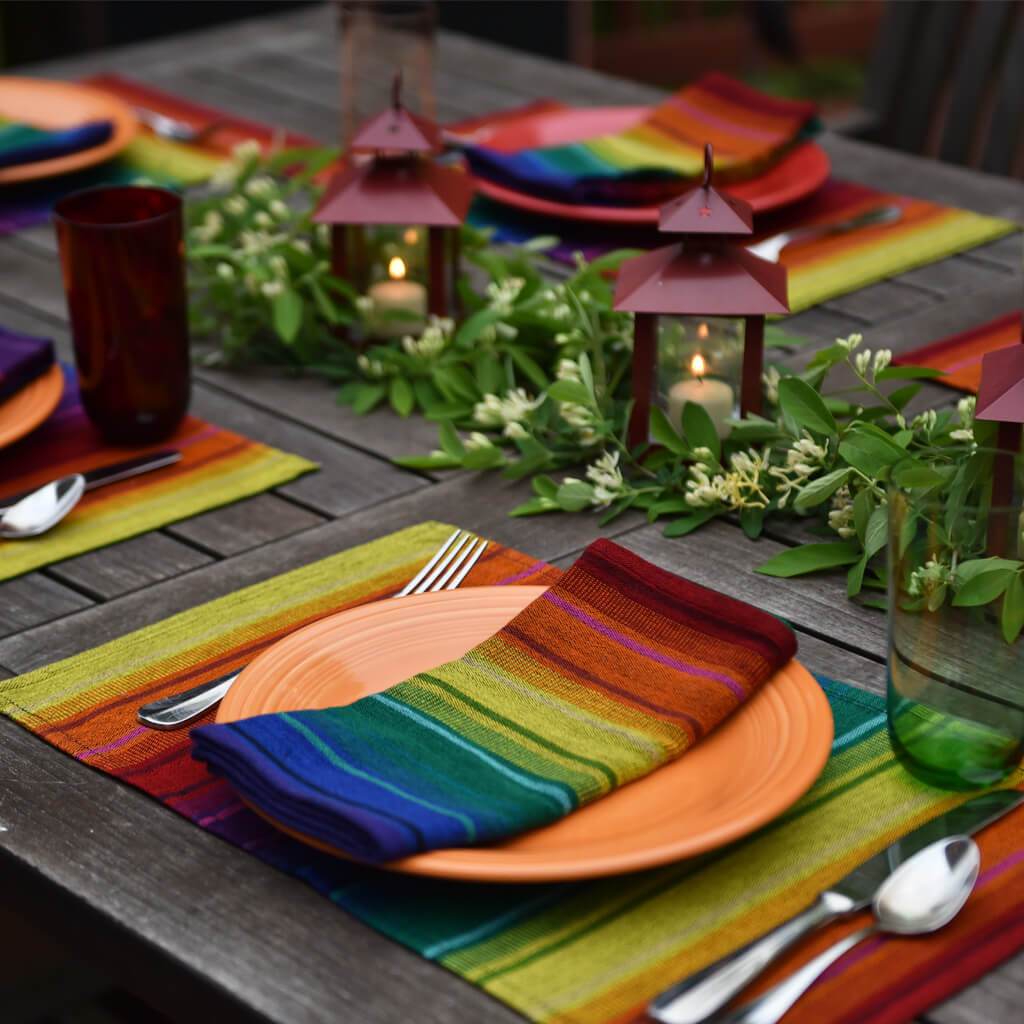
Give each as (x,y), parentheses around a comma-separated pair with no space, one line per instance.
(23,144)
(22,359)
(617,669)
(655,159)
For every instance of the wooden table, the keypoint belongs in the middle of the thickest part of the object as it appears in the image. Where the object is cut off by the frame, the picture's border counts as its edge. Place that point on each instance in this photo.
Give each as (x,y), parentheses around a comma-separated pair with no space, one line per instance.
(125,881)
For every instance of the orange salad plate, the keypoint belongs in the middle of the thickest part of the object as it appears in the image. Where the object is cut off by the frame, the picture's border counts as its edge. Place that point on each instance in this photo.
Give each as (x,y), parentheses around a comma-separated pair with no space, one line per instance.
(28,408)
(52,105)
(742,776)
(796,174)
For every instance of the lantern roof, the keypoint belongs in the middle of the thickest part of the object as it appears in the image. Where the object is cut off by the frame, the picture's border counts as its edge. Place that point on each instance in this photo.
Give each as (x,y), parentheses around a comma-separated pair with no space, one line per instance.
(722,280)
(397,130)
(1001,395)
(706,211)
(414,190)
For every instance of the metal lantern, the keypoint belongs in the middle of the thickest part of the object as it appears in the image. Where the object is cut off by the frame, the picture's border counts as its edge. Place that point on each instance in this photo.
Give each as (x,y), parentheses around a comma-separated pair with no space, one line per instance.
(1001,400)
(700,307)
(395,215)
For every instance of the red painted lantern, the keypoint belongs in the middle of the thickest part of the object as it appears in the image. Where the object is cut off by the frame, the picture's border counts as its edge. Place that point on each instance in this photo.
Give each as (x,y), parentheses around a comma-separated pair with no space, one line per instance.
(700,307)
(1001,400)
(395,216)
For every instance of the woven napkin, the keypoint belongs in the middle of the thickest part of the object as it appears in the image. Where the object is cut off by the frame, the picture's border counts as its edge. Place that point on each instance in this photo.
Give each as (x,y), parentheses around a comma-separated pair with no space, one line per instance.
(24,144)
(651,161)
(22,359)
(615,670)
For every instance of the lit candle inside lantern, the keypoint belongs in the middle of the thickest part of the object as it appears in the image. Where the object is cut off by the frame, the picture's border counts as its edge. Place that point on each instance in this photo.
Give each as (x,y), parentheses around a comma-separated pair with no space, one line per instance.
(715,395)
(397,295)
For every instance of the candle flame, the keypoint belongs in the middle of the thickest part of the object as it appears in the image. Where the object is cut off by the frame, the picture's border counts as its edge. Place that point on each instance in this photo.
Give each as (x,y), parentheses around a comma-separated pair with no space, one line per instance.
(411,236)
(698,366)
(396,268)
(702,331)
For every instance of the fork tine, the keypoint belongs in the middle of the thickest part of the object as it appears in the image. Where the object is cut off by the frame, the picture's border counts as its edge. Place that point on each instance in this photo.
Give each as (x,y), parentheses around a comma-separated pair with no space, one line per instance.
(443,564)
(415,581)
(456,565)
(473,559)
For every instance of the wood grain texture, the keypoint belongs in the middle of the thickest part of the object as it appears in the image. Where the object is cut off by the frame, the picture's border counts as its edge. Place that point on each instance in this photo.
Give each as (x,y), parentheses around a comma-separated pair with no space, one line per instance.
(35,598)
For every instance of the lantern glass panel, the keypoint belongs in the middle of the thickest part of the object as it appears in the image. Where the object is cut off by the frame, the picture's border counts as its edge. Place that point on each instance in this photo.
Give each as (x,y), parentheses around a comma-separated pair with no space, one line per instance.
(700,359)
(398,279)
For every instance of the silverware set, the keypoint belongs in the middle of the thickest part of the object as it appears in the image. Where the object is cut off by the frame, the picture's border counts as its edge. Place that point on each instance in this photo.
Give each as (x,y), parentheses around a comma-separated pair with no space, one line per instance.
(446,570)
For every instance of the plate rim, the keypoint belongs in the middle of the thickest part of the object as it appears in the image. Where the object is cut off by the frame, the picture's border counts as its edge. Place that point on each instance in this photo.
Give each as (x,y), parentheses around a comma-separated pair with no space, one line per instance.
(126,127)
(449,863)
(49,389)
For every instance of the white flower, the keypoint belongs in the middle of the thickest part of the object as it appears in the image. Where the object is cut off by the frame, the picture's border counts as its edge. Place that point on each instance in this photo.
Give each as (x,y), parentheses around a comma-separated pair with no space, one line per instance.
(271,289)
(965,407)
(364,304)
(225,271)
(742,486)
(503,293)
(840,517)
(279,209)
(518,404)
(576,415)
(278,266)
(925,421)
(260,186)
(883,357)
(262,219)
(964,434)
(862,361)
(488,413)
(301,245)
(246,150)
(211,227)
(515,431)
(476,440)
(604,473)
(225,174)
(851,342)
(432,341)
(323,233)
(236,205)
(568,369)
(371,367)
(771,378)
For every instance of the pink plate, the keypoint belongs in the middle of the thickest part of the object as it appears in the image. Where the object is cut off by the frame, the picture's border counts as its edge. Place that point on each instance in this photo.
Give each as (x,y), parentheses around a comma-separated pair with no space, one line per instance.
(799,173)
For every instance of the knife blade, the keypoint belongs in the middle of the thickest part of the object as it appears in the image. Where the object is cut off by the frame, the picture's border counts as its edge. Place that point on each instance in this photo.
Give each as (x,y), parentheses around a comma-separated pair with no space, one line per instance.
(113,473)
(698,997)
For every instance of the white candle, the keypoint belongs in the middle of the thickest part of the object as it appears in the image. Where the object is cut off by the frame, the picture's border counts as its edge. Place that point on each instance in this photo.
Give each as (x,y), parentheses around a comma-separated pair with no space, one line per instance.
(397,295)
(715,395)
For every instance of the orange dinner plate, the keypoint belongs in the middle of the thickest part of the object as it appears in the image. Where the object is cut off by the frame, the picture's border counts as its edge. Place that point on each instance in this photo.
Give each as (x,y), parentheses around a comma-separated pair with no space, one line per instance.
(798,173)
(742,776)
(52,105)
(30,406)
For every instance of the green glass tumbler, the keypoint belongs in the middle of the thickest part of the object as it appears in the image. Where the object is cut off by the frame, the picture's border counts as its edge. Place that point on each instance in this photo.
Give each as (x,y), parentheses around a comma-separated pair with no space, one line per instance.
(955,682)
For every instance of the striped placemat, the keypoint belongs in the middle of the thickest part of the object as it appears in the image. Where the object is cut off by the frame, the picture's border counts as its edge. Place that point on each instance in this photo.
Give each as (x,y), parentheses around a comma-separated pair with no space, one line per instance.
(582,953)
(217,467)
(959,356)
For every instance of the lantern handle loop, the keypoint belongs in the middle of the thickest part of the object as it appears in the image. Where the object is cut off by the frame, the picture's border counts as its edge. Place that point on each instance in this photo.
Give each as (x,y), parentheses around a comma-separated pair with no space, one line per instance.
(709,164)
(396,90)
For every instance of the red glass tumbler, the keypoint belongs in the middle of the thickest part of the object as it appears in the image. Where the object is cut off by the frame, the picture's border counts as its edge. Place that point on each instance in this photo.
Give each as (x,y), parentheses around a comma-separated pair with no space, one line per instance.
(123,259)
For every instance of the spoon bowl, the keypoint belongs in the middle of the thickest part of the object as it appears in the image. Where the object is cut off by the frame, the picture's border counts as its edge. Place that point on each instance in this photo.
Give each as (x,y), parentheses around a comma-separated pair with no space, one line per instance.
(42,509)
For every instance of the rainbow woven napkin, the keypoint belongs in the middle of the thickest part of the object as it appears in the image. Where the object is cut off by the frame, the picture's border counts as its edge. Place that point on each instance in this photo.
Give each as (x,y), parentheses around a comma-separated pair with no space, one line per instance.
(581,953)
(24,144)
(22,359)
(617,669)
(217,467)
(652,161)
(959,356)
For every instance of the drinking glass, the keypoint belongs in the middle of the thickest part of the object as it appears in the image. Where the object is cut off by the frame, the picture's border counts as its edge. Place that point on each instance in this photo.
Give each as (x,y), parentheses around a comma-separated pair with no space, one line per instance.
(955,683)
(122,258)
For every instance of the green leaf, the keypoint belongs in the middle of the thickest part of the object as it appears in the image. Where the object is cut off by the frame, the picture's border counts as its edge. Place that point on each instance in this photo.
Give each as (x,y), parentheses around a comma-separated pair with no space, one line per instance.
(881,603)
(286,312)
(586,372)
(665,505)
(810,558)
(753,430)
(455,382)
(914,473)
(450,442)
(574,496)
(662,432)
(972,567)
(535,506)
(909,373)
(488,457)
(901,396)
(323,303)
(877,532)
(687,524)
(821,489)
(983,588)
(699,429)
(540,243)
(544,486)
(752,522)
(616,509)
(800,401)
(863,507)
(426,394)
(855,577)
(401,396)
(529,368)
(612,260)
(473,326)
(570,391)
(870,450)
(437,460)
(368,397)
(1013,609)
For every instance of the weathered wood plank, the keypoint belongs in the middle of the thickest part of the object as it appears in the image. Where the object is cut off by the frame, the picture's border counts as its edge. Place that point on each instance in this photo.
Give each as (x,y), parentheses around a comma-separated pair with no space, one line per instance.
(130,565)
(880,302)
(32,599)
(244,525)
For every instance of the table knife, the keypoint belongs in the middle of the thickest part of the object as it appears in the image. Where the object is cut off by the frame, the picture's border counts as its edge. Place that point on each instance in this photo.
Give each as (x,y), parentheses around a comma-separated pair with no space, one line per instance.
(111,474)
(698,997)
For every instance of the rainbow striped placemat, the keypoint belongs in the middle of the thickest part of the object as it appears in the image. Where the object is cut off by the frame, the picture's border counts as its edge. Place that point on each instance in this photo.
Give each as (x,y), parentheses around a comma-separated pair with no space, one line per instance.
(959,356)
(582,953)
(148,157)
(217,467)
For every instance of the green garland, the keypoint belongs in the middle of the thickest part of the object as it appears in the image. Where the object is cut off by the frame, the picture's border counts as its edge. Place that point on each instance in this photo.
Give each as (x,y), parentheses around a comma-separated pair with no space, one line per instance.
(536,379)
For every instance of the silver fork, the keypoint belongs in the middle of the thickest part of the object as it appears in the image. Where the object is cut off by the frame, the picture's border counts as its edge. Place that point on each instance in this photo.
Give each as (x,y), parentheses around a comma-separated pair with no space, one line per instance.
(771,248)
(446,570)
(177,131)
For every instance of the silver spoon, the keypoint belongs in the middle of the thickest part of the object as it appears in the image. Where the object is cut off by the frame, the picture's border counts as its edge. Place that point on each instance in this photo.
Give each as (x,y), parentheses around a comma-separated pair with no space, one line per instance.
(34,512)
(920,896)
